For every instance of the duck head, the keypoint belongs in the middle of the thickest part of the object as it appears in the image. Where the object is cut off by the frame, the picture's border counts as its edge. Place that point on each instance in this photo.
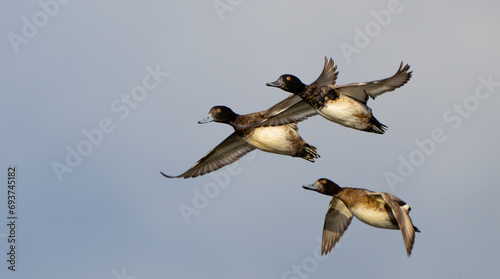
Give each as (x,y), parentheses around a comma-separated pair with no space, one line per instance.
(221,114)
(289,83)
(324,186)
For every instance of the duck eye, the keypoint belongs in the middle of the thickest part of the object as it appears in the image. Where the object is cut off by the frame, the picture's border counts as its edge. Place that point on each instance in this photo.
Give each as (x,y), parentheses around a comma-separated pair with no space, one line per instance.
(218,110)
(288,78)
(323,181)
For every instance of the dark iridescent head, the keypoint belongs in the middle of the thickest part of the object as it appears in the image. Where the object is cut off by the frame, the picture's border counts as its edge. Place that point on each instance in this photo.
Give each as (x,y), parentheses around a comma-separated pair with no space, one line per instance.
(324,186)
(221,114)
(289,83)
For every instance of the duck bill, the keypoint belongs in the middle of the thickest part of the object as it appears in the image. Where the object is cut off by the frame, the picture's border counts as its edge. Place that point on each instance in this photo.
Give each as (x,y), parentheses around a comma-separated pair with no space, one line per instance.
(276,83)
(312,187)
(207,119)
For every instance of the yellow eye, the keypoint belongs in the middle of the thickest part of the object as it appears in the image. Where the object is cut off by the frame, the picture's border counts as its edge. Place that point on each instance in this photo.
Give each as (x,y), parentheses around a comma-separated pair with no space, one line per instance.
(288,78)
(218,110)
(323,181)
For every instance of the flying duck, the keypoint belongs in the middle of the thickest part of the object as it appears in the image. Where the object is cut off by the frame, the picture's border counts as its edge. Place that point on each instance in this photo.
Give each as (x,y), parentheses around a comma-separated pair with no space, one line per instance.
(280,139)
(342,104)
(380,210)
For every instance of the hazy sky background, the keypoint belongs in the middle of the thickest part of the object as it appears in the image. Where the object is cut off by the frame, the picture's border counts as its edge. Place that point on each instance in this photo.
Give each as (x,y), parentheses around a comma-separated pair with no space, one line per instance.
(115,216)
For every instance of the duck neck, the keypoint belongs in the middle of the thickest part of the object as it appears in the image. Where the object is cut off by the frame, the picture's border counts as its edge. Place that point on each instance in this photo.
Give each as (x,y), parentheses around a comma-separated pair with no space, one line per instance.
(332,190)
(299,89)
(235,120)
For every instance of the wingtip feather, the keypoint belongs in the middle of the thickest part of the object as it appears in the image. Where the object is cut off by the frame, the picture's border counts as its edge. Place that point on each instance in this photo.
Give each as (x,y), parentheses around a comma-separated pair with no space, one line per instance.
(168,176)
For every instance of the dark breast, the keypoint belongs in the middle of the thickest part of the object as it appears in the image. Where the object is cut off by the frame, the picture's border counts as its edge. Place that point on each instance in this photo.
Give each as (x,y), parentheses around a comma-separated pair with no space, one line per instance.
(317,97)
(246,120)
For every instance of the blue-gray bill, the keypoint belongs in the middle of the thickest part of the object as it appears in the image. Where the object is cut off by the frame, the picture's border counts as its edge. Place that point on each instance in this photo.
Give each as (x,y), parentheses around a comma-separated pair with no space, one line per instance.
(276,83)
(310,187)
(207,119)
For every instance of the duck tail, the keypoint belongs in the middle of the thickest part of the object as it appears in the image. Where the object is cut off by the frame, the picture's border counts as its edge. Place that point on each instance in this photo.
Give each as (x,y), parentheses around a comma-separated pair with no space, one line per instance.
(376,126)
(309,153)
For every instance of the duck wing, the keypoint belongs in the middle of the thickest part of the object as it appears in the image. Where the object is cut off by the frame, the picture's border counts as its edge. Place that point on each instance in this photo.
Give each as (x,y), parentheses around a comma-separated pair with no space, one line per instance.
(400,210)
(298,111)
(290,110)
(328,76)
(361,91)
(337,219)
(228,151)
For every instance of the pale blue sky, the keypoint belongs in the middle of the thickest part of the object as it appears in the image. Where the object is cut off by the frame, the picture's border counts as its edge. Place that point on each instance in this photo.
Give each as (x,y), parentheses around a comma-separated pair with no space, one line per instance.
(147,71)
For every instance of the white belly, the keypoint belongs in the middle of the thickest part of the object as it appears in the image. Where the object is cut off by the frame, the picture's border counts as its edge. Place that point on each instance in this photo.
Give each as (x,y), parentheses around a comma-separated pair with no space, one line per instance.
(379,219)
(276,139)
(347,112)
